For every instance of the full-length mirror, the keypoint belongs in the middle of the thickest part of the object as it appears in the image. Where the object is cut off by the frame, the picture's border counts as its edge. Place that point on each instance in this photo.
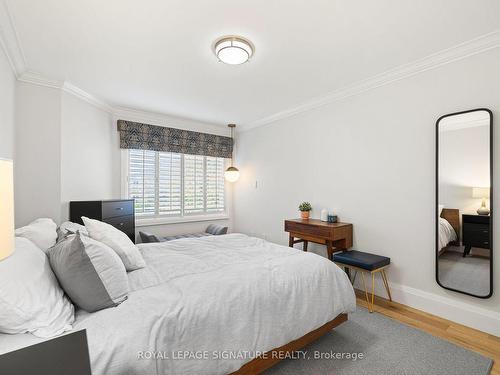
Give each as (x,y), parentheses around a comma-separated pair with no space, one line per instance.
(464,233)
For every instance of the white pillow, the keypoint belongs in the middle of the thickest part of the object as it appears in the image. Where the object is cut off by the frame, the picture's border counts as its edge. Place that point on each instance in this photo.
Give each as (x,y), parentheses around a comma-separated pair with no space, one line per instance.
(69,227)
(30,297)
(117,240)
(90,272)
(42,232)
(440,209)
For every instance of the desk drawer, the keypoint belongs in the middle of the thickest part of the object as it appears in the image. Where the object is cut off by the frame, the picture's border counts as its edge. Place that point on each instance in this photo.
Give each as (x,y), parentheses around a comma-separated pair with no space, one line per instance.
(319,231)
(117,208)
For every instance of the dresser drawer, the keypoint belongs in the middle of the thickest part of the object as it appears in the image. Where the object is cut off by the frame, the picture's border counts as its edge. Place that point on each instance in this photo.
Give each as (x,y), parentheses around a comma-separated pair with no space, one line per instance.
(117,208)
(477,228)
(124,223)
(476,235)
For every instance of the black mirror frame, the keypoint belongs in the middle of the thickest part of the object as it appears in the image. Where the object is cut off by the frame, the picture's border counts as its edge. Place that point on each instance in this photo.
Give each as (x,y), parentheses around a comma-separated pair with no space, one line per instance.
(436,227)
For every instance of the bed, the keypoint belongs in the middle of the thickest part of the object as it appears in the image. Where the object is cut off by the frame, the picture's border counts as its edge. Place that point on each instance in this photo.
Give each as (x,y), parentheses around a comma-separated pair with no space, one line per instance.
(211,305)
(448,228)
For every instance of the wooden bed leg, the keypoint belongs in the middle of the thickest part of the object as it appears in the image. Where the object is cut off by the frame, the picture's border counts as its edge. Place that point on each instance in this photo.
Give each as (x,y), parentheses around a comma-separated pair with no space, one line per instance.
(270,358)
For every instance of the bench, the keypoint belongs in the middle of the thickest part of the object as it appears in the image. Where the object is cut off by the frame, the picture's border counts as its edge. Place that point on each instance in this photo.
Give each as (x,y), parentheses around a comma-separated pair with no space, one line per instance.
(212,230)
(365,263)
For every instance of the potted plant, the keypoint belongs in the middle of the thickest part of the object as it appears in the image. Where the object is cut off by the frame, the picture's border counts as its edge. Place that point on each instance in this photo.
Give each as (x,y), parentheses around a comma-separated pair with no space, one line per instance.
(305,208)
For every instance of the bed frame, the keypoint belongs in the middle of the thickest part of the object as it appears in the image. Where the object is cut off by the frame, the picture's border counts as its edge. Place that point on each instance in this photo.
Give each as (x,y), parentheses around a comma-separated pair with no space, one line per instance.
(452,215)
(270,358)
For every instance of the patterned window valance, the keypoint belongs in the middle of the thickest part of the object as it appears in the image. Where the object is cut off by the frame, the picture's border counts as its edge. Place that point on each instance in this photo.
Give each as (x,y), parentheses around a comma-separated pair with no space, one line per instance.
(138,136)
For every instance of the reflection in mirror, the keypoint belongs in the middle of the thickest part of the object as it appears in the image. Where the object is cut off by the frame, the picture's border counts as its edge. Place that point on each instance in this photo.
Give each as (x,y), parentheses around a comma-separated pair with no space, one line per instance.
(464,225)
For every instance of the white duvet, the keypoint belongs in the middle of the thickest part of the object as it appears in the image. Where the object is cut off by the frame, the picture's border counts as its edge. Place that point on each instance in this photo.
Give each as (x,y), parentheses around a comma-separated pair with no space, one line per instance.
(210,297)
(446,233)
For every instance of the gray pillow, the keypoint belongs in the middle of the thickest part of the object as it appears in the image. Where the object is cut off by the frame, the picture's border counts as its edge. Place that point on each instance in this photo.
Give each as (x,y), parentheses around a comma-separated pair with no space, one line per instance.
(90,272)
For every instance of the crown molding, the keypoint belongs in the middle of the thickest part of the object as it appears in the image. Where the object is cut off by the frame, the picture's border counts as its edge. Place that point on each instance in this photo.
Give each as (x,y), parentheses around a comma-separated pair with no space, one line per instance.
(472,47)
(132,114)
(459,123)
(38,79)
(89,98)
(9,41)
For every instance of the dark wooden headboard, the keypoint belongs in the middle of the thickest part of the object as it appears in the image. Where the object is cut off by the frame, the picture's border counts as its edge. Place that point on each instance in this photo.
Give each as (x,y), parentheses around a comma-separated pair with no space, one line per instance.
(452,215)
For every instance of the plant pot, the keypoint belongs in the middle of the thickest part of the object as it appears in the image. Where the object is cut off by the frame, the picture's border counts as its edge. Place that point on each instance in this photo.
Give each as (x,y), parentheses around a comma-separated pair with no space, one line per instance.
(304,214)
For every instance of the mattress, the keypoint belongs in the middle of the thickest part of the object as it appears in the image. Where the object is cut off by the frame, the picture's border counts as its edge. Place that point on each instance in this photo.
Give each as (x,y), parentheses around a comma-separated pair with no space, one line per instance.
(446,233)
(209,305)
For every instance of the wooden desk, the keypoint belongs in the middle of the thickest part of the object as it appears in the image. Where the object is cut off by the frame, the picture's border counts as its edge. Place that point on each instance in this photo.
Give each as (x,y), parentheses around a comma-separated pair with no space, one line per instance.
(333,235)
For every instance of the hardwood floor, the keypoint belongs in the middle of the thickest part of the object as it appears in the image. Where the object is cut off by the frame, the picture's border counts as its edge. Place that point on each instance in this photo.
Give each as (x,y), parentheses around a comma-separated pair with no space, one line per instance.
(469,338)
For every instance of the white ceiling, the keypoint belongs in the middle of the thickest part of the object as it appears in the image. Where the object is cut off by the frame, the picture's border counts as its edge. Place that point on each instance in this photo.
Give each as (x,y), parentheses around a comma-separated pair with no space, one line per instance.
(156,55)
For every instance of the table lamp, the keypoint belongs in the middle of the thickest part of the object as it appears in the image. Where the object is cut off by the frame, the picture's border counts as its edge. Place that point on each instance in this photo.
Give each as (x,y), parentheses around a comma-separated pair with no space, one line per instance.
(483,193)
(6,208)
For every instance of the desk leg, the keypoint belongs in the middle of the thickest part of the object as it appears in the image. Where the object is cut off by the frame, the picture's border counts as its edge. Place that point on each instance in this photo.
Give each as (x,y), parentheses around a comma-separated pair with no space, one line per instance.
(305,245)
(290,240)
(329,249)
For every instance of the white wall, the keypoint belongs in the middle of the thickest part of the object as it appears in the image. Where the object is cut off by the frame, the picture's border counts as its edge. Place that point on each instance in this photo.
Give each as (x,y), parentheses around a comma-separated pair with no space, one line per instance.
(464,163)
(90,159)
(37,170)
(372,156)
(7,93)
(68,149)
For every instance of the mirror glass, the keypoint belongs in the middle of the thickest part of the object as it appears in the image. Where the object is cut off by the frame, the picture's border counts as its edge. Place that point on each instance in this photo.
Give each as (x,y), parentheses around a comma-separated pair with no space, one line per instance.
(464,195)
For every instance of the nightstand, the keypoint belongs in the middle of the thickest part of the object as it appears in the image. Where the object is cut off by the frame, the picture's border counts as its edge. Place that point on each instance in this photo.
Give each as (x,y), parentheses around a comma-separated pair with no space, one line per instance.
(475,232)
(63,355)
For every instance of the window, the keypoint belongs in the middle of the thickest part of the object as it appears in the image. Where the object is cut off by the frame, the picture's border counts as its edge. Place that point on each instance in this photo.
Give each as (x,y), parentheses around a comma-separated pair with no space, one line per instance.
(170,184)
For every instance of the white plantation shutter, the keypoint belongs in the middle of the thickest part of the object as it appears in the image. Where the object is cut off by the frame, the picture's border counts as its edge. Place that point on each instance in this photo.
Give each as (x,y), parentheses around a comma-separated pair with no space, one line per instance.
(142,181)
(214,186)
(169,183)
(194,181)
(172,184)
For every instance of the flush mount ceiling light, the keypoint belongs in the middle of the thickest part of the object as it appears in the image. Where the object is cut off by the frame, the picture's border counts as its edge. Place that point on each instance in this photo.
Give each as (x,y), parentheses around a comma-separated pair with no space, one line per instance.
(233,50)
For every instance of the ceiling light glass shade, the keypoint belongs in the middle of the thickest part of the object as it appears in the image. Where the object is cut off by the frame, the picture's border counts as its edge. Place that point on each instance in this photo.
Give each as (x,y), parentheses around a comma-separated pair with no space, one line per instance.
(232,174)
(233,50)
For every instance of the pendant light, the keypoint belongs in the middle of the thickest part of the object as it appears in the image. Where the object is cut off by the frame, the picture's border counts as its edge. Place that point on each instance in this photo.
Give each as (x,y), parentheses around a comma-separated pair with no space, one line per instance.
(232,173)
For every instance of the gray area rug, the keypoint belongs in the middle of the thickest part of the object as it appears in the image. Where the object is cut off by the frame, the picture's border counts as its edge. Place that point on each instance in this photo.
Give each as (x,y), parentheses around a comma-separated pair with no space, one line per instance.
(389,347)
(470,274)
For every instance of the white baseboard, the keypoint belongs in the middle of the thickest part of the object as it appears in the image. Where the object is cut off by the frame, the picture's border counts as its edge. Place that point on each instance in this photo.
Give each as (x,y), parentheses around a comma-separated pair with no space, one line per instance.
(460,312)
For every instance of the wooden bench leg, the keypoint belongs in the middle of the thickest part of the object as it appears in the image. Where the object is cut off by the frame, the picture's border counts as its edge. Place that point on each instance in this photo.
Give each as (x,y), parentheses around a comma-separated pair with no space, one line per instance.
(304,248)
(290,240)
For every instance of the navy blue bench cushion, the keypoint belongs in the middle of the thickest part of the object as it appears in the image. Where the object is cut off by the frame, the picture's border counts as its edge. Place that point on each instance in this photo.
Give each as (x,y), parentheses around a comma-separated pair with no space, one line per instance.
(362,260)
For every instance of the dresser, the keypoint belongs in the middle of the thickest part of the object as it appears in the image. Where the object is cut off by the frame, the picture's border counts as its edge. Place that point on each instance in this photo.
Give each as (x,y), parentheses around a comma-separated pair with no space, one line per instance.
(475,232)
(119,213)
